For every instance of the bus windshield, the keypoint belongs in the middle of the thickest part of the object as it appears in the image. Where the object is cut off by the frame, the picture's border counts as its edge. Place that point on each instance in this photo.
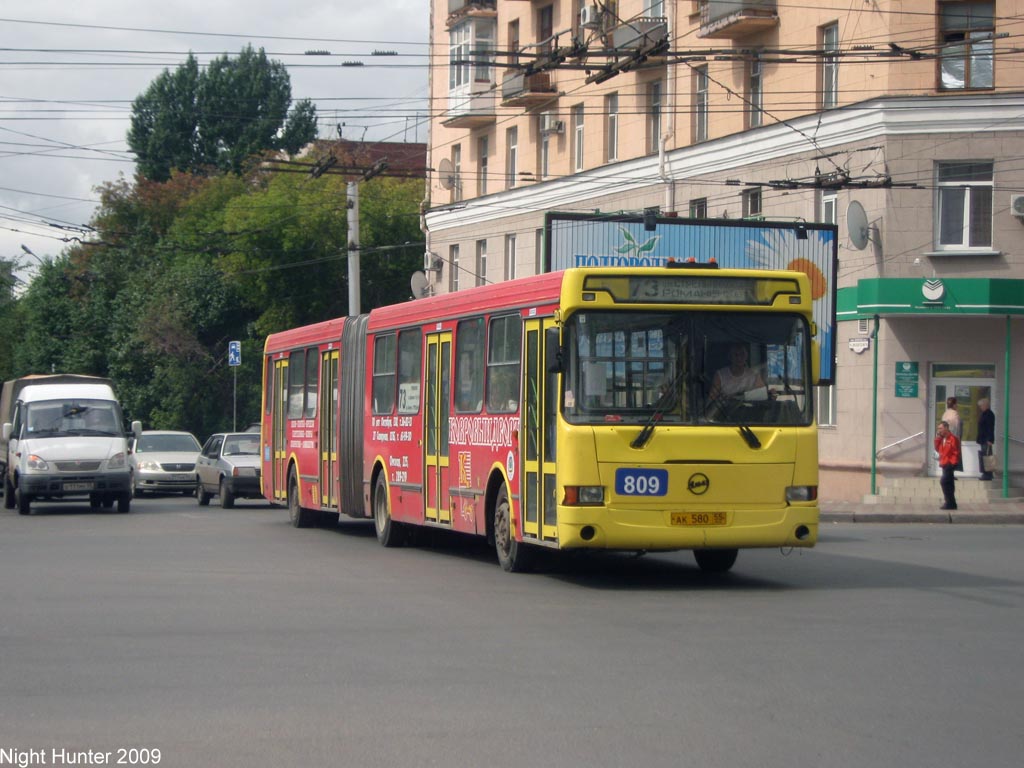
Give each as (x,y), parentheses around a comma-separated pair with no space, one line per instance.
(728,368)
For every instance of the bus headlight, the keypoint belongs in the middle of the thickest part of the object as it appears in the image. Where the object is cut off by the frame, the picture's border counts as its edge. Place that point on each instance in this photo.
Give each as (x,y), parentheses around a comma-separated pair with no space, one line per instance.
(801,493)
(583,495)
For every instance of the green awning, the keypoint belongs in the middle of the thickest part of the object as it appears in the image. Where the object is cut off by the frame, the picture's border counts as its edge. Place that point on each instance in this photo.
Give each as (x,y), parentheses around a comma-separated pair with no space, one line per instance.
(887,296)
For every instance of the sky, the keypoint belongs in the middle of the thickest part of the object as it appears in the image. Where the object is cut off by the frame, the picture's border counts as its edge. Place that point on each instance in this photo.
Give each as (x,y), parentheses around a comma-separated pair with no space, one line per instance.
(69,72)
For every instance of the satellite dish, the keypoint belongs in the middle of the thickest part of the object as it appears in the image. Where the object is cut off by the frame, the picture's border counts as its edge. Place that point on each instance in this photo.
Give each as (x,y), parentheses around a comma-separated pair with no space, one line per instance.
(857,225)
(418,283)
(446,172)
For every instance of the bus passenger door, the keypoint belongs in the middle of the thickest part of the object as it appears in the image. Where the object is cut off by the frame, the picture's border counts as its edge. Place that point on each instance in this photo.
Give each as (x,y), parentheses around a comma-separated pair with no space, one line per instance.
(328,429)
(538,499)
(279,449)
(435,425)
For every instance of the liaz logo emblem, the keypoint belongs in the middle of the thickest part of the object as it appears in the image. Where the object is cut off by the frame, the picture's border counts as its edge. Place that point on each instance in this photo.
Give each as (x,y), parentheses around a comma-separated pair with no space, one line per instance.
(698,484)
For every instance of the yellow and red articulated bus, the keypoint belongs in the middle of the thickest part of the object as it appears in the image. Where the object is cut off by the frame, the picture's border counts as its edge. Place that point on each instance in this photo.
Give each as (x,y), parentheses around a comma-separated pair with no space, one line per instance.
(633,408)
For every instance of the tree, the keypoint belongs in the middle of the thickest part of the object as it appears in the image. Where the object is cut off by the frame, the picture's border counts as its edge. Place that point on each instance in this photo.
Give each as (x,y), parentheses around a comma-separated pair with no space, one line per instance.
(192,120)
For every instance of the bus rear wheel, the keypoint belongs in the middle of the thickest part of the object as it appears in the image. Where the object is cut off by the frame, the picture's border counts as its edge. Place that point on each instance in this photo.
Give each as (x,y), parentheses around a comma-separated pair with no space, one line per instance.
(715,560)
(389,533)
(513,556)
(301,518)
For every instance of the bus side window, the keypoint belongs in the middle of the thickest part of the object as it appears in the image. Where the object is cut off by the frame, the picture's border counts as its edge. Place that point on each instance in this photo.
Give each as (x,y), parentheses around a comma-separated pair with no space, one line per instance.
(384,373)
(469,366)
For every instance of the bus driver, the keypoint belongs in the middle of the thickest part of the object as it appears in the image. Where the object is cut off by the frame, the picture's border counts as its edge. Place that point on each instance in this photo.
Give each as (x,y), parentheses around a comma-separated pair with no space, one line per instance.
(737,378)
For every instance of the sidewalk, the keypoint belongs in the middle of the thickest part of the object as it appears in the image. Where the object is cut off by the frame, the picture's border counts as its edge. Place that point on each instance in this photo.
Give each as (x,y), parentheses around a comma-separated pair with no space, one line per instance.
(1008,512)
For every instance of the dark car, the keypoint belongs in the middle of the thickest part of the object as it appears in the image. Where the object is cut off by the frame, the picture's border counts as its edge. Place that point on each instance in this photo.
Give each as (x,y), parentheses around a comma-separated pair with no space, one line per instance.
(229,466)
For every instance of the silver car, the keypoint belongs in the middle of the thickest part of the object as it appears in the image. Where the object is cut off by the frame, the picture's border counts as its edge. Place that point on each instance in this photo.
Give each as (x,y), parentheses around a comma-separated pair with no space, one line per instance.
(164,462)
(229,466)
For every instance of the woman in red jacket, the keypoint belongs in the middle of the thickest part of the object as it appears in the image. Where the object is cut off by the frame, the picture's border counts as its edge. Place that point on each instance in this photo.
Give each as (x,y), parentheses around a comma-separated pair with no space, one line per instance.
(948,446)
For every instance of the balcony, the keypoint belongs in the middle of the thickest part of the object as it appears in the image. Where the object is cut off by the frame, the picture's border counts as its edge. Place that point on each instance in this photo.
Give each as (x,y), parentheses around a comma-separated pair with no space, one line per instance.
(470,110)
(640,33)
(462,9)
(521,90)
(734,19)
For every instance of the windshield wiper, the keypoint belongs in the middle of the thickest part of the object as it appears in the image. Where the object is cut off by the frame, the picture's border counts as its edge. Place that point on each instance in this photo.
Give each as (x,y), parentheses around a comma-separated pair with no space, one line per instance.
(664,403)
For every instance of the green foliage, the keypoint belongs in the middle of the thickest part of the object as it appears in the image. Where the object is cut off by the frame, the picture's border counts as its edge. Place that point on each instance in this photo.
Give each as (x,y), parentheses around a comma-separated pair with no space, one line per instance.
(219,118)
(184,266)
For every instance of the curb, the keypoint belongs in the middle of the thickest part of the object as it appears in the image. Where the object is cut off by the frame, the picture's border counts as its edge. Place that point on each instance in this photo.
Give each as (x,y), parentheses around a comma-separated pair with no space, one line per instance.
(866,514)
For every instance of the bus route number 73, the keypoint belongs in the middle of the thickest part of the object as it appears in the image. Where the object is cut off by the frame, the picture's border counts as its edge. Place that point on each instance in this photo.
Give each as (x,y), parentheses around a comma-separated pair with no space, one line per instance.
(641,482)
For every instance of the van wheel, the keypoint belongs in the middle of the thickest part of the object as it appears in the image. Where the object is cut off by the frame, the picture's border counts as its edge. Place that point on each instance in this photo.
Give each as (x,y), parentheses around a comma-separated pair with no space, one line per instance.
(301,518)
(513,556)
(715,560)
(23,501)
(389,533)
(8,494)
(124,503)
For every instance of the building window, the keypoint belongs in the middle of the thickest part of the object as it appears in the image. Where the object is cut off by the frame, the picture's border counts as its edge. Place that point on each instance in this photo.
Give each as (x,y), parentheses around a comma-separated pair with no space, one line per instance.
(699,208)
(545,28)
(654,8)
(453,268)
(458,51)
(544,124)
(457,172)
(577,137)
(827,207)
(511,157)
(826,406)
(700,104)
(653,116)
(966,31)
(513,42)
(752,204)
(755,94)
(829,38)
(481,262)
(611,134)
(964,205)
(510,257)
(538,251)
(481,165)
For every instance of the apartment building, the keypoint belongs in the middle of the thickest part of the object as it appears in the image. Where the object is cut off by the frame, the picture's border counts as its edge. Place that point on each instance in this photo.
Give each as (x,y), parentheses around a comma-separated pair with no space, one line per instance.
(902,122)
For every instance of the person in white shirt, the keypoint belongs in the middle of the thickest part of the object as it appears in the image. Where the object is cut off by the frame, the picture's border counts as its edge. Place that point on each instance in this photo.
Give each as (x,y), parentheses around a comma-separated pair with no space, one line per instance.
(737,378)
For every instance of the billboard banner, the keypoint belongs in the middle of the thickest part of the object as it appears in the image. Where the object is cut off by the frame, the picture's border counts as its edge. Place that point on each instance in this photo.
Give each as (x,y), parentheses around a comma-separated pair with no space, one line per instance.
(634,240)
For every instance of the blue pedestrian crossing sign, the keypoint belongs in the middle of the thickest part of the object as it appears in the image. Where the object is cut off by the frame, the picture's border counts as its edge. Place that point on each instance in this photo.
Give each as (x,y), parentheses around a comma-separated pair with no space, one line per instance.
(234,353)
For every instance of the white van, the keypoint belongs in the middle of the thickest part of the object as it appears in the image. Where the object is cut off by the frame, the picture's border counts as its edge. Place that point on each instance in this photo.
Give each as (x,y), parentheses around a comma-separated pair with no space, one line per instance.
(65,439)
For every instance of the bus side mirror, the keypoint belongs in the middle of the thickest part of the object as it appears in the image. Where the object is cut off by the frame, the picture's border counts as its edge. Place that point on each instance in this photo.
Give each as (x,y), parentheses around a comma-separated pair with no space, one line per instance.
(552,351)
(8,429)
(816,362)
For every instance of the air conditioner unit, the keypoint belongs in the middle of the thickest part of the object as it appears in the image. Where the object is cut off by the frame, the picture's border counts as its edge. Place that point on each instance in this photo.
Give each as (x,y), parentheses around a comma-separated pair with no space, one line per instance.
(590,17)
(553,126)
(1017,205)
(432,262)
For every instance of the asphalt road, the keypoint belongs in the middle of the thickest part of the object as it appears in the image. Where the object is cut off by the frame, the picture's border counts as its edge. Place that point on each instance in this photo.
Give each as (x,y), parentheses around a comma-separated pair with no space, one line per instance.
(227,638)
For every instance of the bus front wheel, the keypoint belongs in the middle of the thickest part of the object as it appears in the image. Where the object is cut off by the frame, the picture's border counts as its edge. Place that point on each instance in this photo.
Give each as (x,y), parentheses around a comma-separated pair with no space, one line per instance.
(715,560)
(513,556)
(389,533)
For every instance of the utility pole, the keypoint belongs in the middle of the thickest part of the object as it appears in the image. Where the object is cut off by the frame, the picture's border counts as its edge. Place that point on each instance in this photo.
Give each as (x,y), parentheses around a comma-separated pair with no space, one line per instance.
(352,188)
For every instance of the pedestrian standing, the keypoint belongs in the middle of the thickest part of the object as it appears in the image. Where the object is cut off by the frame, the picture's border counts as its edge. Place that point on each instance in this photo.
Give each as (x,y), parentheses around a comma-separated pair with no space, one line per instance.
(948,447)
(952,417)
(986,435)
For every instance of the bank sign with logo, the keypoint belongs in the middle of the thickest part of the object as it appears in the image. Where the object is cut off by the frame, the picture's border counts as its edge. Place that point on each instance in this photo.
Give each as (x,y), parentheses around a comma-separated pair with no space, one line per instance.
(631,240)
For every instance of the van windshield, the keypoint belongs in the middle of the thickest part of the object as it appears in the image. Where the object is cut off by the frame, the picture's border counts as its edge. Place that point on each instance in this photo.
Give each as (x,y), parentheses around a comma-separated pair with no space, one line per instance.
(54,418)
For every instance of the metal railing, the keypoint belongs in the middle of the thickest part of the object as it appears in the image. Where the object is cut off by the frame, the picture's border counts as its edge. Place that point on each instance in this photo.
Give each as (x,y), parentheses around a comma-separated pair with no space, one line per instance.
(898,442)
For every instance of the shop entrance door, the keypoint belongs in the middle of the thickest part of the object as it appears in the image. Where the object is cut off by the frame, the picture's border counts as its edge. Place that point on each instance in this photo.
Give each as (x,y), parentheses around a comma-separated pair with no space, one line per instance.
(968,383)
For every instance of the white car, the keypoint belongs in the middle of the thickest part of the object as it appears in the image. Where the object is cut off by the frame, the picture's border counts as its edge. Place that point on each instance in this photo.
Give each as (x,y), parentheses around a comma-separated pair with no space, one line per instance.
(164,462)
(229,466)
